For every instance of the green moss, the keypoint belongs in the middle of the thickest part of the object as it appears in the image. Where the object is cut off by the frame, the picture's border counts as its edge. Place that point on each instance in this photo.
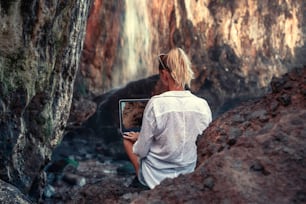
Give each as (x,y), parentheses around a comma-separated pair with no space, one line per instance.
(15,74)
(20,70)
(9,74)
(48,128)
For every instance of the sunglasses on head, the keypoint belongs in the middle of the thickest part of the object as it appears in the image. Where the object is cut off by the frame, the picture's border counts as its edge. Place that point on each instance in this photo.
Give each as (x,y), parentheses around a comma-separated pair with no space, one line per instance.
(161,64)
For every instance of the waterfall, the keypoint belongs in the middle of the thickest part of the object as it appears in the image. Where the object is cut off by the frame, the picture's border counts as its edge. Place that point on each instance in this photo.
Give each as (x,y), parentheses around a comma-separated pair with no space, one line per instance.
(135,44)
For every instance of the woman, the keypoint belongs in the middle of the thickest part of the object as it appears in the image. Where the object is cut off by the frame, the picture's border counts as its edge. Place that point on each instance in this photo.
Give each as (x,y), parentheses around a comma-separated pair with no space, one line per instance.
(166,144)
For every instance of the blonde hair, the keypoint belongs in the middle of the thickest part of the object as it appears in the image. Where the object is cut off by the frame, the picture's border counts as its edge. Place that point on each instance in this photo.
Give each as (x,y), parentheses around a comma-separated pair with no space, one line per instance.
(180,67)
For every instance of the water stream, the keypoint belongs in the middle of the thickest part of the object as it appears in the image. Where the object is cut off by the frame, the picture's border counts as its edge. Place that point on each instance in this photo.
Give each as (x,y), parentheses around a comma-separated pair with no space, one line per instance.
(136,41)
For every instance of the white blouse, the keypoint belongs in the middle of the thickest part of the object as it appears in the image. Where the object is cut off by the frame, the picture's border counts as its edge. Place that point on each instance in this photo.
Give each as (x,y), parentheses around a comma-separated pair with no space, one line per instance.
(166,144)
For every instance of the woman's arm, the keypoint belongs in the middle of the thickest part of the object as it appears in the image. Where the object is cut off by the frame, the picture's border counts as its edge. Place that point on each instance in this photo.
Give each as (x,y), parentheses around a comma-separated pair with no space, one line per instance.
(132,136)
(145,137)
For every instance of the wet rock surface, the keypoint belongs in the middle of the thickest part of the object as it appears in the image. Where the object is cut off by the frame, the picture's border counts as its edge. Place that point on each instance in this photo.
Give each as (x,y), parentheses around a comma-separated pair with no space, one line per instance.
(254,153)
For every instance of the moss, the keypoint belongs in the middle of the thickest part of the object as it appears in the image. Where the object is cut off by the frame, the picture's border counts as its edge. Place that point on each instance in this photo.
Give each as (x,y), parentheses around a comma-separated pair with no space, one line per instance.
(48,128)
(15,74)
(9,73)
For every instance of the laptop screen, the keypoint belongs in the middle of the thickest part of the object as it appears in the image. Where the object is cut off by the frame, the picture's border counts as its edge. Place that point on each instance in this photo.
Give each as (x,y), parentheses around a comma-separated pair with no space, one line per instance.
(131,113)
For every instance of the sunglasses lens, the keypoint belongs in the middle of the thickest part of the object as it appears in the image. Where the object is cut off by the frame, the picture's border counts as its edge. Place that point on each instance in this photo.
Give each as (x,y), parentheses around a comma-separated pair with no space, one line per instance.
(161,64)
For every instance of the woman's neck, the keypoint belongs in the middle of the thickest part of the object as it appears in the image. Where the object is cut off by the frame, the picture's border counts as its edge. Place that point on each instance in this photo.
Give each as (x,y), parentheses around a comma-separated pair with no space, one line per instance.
(175,87)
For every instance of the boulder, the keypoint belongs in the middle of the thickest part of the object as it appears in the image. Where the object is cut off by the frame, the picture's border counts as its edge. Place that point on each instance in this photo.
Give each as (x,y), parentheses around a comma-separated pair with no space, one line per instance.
(254,153)
(9,194)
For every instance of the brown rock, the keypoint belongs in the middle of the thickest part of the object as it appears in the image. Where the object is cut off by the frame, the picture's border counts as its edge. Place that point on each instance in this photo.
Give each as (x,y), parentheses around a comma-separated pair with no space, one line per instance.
(265,167)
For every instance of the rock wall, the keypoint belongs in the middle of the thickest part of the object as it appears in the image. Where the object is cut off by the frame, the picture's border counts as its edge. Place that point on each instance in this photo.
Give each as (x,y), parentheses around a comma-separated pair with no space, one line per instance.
(40,47)
(234,43)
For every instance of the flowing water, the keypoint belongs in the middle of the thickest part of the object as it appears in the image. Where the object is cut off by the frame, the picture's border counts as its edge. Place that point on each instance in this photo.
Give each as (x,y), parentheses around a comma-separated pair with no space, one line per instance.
(136,44)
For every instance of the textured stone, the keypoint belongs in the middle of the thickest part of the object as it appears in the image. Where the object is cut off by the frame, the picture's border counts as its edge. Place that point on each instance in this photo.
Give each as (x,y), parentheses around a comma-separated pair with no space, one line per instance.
(268,168)
(40,47)
(10,194)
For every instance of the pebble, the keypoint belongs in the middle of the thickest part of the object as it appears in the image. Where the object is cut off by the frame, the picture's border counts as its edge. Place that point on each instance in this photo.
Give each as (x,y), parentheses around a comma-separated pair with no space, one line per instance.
(74,179)
(209,183)
(49,191)
(285,99)
(266,128)
(238,119)
(264,118)
(257,114)
(277,84)
(257,166)
(273,106)
(235,132)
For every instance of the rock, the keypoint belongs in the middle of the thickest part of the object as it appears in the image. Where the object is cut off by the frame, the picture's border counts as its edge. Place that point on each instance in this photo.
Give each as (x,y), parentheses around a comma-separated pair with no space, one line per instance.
(209,183)
(81,110)
(273,106)
(277,84)
(102,184)
(73,179)
(238,119)
(285,99)
(59,166)
(49,191)
(9,194)
(40,46)
(268,168)
(258,114)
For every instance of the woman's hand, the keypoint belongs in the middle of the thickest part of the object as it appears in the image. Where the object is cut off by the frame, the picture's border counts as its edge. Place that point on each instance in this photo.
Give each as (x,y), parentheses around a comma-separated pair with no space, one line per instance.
(132,136)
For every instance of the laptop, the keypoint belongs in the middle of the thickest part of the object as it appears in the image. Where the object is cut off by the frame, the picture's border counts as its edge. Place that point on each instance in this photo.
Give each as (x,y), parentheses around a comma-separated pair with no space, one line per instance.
(131,113)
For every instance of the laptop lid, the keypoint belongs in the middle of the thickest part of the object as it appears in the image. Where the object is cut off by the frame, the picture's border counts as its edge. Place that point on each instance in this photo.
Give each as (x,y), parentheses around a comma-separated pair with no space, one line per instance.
(131,113)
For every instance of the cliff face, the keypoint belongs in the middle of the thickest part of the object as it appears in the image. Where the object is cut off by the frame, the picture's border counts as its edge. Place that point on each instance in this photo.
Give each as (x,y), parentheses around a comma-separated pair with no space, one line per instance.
(40,46)
(240,44)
